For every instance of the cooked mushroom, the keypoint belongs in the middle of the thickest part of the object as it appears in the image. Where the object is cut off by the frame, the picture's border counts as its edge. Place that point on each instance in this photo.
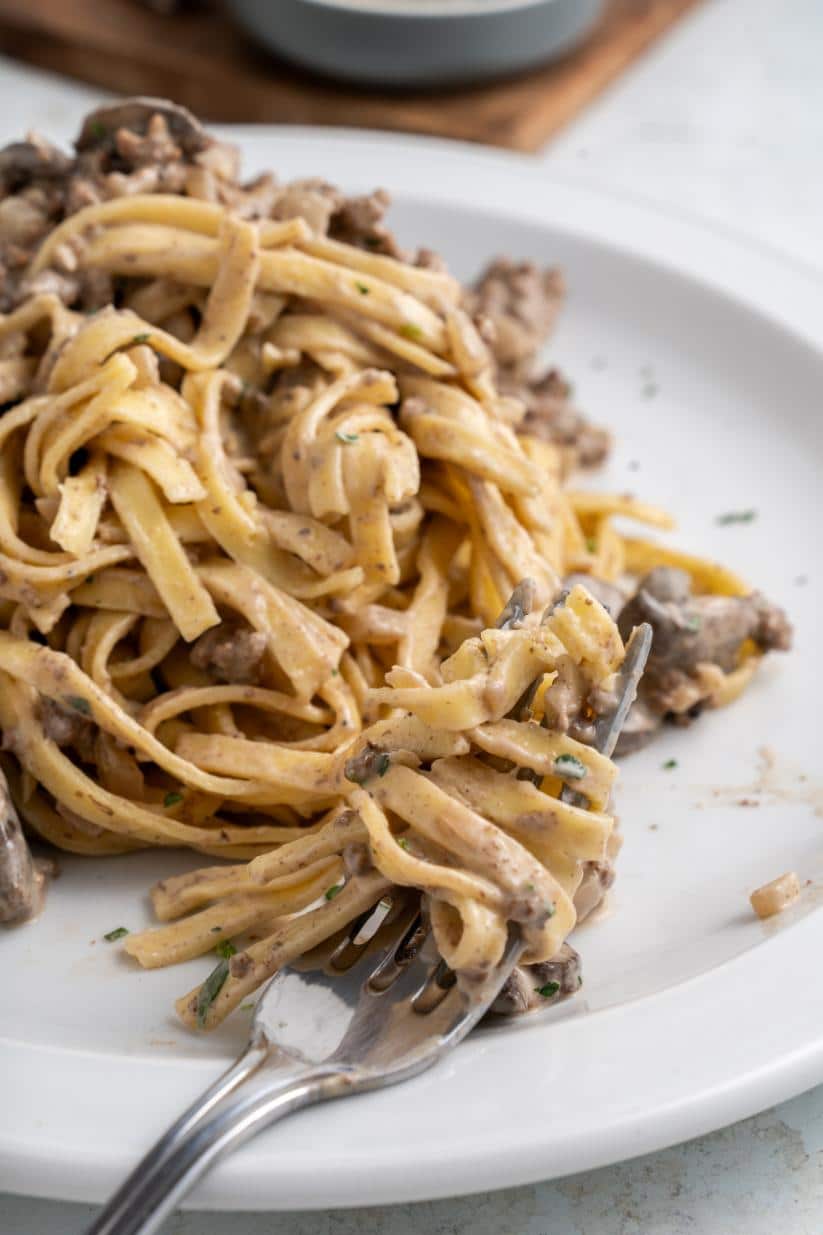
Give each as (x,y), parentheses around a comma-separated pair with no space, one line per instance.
(693,633)
(101,126)
(21,883)
(33,159)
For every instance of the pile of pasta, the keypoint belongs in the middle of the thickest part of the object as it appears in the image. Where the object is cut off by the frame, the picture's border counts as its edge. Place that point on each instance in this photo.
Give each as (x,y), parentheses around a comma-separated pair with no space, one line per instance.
(276,432)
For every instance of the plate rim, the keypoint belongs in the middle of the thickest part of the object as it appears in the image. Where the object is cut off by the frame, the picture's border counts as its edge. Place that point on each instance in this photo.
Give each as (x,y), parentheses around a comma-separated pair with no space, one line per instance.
(790,296)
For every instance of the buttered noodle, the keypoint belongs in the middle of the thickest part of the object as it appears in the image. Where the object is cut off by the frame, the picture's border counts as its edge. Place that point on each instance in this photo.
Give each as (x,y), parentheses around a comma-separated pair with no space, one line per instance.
(355,537)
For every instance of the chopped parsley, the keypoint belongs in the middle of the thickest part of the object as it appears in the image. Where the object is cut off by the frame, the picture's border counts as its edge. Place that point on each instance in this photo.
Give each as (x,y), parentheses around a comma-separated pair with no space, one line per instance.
(669,765)
(694,623)
(210,989)
(215,930)
(347,438)
(248,1007)
(171,799)
(117,933)
(382,764)
(132,342)
(98,129)
(569,767)
(225,948)
(363,290)
(333,891)
(79,704)
(591,544)
(736,516)
(410,331)
(547,991)
(402,842)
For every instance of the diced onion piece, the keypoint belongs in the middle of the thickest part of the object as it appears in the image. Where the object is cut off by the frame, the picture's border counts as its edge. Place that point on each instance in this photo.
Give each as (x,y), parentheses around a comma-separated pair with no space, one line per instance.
(776,896)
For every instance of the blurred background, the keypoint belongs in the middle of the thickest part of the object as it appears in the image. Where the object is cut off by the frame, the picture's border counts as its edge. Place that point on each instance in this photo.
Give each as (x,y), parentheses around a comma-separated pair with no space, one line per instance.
(712,108)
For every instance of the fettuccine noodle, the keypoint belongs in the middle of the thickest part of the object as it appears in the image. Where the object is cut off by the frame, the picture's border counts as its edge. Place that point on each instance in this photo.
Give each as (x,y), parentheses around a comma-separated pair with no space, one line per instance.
(257,618)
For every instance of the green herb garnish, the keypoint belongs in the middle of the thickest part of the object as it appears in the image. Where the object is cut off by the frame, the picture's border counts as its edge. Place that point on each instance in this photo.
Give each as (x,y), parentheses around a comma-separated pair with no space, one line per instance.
(363,290)
(117,933)
(551,988)
(402,842)
(79,704)
(98,129)
(215,930)
(333,891)
(591,544)
(382,764)
(694,623)
(132,342)
(171,799)
(226,948)
(347,438)
(370,762)
(669,765)
(410,331)
(569,767)
(210,989)
(736,516)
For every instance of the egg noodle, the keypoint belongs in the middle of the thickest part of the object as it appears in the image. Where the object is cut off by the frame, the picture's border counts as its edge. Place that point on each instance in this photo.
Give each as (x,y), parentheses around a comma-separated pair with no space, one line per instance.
(367,531)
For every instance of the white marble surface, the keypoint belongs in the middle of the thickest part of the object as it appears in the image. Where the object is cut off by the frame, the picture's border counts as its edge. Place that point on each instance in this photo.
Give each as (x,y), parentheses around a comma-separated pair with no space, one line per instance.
(725,120)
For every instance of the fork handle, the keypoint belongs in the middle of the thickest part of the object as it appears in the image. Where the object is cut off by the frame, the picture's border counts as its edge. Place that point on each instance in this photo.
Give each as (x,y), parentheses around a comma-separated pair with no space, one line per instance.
(204,1134)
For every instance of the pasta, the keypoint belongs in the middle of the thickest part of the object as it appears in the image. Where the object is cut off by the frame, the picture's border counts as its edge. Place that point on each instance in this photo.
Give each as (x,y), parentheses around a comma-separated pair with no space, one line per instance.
(260,515)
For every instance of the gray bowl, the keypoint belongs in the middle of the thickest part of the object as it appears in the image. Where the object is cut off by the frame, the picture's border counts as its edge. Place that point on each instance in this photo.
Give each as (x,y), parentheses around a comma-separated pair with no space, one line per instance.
(401,43)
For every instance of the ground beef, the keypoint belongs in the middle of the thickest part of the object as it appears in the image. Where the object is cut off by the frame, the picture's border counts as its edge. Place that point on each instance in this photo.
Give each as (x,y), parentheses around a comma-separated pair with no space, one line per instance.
(359,221)
(515,306)
(152,146)
(231,653)
(312,200)
(521,302)
(552,416)
(67,727)
(558,978)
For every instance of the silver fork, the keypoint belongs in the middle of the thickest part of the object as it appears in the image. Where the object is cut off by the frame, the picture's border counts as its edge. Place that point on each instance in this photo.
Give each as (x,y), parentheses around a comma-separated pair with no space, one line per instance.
(317,1034)
(378,1009)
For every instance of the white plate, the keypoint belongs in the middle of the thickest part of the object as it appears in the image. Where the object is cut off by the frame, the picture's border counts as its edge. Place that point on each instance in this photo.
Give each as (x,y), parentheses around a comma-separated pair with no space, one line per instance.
(693,1013)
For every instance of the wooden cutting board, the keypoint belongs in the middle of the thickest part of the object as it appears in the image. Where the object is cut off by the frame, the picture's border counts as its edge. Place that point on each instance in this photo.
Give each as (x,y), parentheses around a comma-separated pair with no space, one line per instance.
(201,59)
